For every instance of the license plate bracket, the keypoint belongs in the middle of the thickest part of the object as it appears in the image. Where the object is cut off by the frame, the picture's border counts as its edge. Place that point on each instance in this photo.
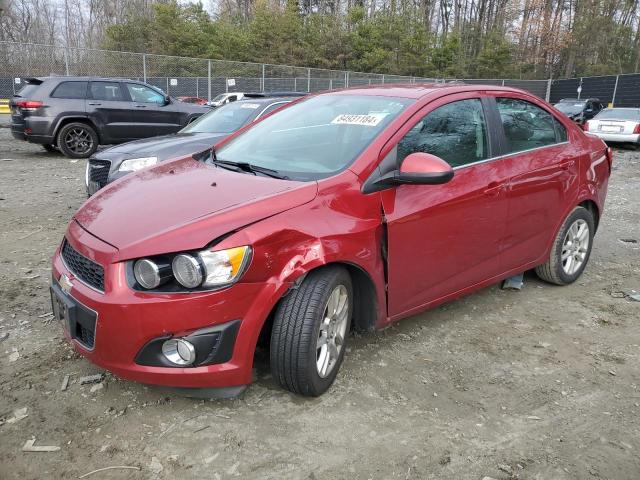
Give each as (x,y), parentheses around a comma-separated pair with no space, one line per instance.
(63,307)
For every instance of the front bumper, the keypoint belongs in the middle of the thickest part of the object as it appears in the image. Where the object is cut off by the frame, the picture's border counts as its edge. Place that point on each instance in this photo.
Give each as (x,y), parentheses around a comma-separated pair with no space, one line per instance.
(618,137)
(127,321)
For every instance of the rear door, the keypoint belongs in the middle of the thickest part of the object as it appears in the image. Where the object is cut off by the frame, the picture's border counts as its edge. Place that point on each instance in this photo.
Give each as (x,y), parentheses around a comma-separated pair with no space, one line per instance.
(445,238)
(149,112)
(544,182)
(109,109)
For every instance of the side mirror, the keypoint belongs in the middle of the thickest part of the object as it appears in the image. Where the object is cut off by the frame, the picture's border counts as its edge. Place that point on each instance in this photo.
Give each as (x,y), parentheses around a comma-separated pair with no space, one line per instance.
(167,100)
(416,169)
(424,169)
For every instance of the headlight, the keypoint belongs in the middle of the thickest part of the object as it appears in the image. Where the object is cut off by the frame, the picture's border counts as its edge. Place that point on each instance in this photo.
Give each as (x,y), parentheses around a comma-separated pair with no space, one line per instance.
(224,267)
(150,274)
(187,270)
(137,164)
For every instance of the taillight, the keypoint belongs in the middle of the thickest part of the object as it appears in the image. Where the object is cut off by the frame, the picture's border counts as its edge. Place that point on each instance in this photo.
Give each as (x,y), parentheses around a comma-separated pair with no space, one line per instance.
(29,104)
(609,154)
(637,129)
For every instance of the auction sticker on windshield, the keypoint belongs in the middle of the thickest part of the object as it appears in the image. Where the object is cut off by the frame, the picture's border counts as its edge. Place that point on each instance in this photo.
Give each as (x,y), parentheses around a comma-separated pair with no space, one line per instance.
(370,120)
(253,106)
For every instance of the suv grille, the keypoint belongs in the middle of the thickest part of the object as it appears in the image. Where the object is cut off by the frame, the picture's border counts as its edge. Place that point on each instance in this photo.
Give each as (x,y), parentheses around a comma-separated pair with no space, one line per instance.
(99,171)
(86,270)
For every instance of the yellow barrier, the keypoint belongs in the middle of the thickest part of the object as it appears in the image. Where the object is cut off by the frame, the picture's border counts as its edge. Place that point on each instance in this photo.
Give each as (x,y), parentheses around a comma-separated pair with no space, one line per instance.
(4,106)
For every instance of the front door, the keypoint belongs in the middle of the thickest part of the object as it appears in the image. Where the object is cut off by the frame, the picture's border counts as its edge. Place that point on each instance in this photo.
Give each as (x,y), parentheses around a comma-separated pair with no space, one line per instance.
(445,238)
(149,112)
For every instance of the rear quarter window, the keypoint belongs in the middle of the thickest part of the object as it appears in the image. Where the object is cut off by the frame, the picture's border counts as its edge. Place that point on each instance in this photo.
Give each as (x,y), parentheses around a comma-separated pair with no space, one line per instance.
(28,90)
(70,90)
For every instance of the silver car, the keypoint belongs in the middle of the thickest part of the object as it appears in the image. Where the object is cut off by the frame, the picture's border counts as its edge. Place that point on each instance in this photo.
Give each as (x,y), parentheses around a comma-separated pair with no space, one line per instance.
(616,125)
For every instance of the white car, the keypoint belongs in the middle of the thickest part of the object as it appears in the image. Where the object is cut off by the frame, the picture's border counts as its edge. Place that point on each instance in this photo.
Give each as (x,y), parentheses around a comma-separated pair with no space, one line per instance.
(616,125)
(225,98)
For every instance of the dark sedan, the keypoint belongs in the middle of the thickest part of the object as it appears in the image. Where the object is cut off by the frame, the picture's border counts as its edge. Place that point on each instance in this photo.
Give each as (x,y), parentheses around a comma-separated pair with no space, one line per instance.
(110,164)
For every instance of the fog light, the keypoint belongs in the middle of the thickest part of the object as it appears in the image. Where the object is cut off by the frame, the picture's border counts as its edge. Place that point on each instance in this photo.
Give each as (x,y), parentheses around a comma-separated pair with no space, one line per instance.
(179,351)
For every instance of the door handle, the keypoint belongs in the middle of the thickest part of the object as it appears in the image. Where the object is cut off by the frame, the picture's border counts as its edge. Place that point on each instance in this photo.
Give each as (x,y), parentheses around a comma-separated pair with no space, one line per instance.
(494,189)
(568,165)
(94,103)
(141,106)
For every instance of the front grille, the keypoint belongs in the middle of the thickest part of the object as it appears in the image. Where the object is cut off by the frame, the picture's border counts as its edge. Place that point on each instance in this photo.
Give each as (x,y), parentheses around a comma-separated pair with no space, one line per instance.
(86,270)
(99,171)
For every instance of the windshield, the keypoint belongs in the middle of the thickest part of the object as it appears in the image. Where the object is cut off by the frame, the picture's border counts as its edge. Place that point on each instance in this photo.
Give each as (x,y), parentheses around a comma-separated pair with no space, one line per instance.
(315,138)
(219,97)
(619,114)
(570,108)
(225,119)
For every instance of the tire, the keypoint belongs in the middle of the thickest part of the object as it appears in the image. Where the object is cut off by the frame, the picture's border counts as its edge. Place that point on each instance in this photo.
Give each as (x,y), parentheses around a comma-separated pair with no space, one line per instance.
(569,240)
(50,147)
(298,351)
(77,140)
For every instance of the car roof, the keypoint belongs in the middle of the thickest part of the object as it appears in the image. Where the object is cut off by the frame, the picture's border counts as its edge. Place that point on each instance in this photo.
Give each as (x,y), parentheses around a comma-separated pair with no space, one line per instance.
(419,90)
(64,78)
(264,100)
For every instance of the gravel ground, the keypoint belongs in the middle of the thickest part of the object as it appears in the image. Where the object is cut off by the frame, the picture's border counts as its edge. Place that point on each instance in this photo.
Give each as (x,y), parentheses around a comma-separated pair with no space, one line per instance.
(536,384)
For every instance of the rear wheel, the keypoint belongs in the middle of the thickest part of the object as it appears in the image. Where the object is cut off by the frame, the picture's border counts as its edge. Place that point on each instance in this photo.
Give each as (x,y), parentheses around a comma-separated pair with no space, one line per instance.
(571,249)
(77,140)
(310,331)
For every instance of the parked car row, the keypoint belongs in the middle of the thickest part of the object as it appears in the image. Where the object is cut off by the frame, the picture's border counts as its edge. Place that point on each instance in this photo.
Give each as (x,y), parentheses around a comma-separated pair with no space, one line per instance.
(342,210)
(616,125)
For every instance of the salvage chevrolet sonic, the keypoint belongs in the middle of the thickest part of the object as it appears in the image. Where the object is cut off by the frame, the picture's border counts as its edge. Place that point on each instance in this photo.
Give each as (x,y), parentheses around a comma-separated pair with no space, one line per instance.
(347,210)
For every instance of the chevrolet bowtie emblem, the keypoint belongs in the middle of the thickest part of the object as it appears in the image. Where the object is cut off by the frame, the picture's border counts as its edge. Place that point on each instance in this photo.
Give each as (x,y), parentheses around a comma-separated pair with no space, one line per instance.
(65,283)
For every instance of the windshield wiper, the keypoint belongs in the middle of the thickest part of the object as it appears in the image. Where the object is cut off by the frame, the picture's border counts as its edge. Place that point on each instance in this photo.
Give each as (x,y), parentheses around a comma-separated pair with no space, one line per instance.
(247,167)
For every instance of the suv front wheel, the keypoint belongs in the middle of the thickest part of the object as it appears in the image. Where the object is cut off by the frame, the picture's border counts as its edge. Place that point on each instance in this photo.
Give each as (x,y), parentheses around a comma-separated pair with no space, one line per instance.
(77,140)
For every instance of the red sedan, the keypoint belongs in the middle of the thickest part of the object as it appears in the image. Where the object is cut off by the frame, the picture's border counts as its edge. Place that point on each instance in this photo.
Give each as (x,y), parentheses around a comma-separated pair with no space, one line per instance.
(347,210)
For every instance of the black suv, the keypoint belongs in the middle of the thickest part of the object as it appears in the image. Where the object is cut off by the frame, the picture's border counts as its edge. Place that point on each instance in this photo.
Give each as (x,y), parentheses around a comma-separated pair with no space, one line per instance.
(580,110)
(76,114)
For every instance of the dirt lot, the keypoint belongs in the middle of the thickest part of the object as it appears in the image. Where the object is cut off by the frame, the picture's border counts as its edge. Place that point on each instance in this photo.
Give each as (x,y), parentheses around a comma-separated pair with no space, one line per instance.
(537,384)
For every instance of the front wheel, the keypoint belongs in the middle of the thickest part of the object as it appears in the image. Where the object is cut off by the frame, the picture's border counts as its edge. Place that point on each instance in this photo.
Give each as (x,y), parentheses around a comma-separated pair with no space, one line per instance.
(77,140)
(571,249)
(310,329)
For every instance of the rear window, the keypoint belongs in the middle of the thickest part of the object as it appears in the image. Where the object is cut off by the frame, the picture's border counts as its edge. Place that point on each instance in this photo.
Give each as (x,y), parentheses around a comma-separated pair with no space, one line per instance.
(28,90)
(70,90)
(619,114)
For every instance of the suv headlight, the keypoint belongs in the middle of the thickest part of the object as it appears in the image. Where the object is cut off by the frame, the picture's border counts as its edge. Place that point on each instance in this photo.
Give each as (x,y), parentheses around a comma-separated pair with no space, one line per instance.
(198,270)
(134,164)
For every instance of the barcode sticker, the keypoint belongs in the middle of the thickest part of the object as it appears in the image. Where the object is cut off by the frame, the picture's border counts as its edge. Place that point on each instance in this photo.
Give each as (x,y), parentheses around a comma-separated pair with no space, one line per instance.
(370,120)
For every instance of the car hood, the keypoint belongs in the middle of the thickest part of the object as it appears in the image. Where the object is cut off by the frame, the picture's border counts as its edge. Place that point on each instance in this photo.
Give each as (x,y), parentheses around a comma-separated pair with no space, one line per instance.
(184,205)
(164,147)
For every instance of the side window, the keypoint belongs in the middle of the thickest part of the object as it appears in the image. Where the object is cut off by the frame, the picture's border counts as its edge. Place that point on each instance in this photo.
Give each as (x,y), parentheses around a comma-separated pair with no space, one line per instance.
(561,132)
(455,132)
(271,108)
(232,98)
(142,94)
(70,90)
(526,125)
(106,91)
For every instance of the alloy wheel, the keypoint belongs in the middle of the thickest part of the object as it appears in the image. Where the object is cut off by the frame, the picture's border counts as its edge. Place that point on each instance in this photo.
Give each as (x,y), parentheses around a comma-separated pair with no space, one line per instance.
(79,141)
(575,246)
(332,331)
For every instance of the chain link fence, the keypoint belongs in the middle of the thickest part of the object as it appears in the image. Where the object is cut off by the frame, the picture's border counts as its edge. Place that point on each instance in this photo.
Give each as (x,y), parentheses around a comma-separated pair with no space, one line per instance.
(197,77)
